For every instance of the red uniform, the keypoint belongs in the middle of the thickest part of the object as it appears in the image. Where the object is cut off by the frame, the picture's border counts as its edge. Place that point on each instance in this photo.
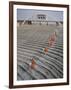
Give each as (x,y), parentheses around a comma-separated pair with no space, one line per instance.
(45,49)
(33,63)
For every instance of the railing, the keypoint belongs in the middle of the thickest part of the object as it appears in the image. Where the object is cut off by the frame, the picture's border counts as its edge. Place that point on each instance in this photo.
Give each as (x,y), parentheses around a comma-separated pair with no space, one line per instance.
(29,22)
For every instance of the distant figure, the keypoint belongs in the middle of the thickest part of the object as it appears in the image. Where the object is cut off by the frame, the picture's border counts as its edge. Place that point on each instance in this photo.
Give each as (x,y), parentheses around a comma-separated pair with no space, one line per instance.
(52,39)
(33,64)
(46,49)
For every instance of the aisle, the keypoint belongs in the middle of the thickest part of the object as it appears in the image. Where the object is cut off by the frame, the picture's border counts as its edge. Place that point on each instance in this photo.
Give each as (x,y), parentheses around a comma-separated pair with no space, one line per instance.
(30,45)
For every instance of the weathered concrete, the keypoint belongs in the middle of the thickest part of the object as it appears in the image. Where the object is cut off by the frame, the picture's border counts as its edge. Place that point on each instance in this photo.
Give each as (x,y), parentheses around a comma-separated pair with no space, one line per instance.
(31,40)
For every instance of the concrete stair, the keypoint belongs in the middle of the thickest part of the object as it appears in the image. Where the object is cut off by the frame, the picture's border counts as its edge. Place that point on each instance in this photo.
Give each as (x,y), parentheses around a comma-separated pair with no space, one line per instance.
(30,45)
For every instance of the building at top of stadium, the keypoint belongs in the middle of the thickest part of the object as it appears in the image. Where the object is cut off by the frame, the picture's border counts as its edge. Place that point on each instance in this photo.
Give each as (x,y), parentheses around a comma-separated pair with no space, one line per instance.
(39,17)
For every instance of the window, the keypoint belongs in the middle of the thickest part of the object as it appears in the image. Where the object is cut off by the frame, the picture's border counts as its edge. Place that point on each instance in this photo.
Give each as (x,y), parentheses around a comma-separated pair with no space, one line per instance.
(41,16)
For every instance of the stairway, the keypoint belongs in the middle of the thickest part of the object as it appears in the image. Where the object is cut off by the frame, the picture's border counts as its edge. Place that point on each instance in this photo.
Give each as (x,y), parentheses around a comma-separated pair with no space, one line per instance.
(30,44)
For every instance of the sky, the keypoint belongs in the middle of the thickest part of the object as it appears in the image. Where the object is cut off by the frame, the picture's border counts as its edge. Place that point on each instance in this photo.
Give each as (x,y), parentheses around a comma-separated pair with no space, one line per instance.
(25,14)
